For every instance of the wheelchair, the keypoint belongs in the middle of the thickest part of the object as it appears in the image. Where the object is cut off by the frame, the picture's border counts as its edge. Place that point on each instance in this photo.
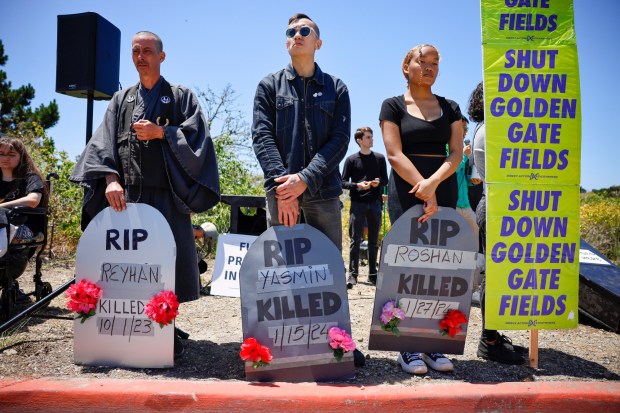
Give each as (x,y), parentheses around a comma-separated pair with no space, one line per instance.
(19,252)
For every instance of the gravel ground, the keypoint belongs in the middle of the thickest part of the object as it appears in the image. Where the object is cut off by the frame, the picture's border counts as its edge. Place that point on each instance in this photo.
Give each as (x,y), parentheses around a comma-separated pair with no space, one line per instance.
(44,348)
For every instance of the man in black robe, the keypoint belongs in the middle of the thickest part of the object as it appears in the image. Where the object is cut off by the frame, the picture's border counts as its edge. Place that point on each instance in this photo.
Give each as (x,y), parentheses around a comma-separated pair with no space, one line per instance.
(153,147)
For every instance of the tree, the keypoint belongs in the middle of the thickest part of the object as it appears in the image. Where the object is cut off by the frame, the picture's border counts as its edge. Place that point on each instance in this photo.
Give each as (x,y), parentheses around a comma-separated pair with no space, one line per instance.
(15,107)
(238,168)
(611,192)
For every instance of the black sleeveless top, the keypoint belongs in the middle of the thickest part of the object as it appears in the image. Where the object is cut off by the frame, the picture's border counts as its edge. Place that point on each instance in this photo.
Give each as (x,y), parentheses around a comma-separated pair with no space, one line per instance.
(419,136)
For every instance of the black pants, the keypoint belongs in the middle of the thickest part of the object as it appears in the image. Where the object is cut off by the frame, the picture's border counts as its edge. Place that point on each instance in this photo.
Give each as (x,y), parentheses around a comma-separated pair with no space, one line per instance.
(15,262)
(364,213)
(481,220)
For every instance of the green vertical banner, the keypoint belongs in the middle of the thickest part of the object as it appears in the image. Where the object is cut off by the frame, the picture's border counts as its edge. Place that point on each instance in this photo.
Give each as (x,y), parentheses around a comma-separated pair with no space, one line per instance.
(533,152)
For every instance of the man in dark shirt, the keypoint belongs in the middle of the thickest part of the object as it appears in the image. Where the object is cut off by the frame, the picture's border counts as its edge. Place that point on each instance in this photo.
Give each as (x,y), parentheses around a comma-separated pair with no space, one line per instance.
(364,175)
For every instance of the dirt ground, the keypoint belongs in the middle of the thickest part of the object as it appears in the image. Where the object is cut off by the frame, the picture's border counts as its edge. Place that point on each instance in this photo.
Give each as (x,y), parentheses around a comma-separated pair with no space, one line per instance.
(44,347)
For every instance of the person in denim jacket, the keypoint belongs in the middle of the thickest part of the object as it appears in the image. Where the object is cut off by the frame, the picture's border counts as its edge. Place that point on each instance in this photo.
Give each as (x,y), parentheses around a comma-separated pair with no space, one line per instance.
(300,134)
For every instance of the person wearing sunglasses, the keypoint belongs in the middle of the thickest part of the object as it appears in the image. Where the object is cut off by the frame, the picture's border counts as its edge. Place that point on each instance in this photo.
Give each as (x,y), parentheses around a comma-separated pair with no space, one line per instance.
(300,134)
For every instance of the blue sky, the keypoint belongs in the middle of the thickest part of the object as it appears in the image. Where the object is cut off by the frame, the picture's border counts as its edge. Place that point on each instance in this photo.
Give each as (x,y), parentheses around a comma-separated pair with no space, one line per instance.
(213,43)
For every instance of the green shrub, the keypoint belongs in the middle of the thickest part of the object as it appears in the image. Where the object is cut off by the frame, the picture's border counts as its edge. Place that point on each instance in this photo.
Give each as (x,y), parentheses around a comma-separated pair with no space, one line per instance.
(600,224)
(237,165)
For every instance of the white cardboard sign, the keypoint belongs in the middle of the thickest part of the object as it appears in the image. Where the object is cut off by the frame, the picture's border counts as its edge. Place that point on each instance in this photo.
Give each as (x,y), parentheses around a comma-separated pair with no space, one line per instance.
(130,255)
(231,250)
(589,257)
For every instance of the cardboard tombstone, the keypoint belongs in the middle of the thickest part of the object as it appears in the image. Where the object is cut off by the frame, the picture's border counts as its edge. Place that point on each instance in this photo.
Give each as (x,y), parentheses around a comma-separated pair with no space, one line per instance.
(428,269)
(130,255)
(231,250)
(293,291)
(599,287)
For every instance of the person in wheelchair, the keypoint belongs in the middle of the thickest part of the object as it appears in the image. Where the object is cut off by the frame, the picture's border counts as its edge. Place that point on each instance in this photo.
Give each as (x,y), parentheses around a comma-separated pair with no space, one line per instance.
(22,185)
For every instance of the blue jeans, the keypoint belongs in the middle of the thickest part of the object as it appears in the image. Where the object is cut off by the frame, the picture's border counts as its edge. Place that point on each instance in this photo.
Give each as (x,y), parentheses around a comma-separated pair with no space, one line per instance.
(362,213)
(322,214)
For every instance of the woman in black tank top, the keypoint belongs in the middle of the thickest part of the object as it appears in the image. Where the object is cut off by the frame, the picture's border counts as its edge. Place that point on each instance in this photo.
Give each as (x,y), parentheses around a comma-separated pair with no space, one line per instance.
(416,127)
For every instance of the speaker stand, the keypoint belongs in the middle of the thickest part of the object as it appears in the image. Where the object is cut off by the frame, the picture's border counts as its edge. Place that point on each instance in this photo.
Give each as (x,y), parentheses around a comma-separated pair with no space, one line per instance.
(89,115)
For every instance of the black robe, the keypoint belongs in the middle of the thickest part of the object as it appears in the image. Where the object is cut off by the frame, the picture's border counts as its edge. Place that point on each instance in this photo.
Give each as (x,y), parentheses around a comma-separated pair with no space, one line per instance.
(189,161)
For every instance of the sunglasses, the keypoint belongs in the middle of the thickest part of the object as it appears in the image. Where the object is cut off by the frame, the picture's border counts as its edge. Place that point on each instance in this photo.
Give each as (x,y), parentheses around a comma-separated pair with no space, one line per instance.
(304,31)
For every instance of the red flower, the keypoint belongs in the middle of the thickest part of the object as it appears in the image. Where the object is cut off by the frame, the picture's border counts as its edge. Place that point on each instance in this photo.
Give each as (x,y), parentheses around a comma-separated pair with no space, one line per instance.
(163,308)
(83,298)
(251,349)
(451,323)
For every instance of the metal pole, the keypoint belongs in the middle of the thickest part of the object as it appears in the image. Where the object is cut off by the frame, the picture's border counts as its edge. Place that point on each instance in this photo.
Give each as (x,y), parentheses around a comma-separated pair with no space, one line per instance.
(43,302)
(383,212)
(51,255)
(89,115)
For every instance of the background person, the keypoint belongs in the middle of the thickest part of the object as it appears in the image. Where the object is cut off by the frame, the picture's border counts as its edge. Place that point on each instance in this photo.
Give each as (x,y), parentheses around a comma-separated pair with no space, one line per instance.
(465,181)
(493,345)
(416,127)
(474,193)
(364,175)
(22,184)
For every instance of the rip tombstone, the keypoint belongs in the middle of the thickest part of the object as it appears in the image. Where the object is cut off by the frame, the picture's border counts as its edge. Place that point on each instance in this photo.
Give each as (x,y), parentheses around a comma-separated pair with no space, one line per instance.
(130,255)
(292,292)
(427,268)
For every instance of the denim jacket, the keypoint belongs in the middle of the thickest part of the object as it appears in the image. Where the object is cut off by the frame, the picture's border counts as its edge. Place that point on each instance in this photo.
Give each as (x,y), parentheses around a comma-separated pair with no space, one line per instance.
(302,132)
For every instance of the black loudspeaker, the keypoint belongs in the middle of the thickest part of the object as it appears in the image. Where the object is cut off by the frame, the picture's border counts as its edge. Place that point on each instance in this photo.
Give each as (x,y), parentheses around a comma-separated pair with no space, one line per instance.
(87,56)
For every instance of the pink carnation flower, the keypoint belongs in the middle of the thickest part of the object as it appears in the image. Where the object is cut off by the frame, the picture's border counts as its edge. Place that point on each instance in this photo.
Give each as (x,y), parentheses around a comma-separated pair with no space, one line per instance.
(340,339)
(390,311)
